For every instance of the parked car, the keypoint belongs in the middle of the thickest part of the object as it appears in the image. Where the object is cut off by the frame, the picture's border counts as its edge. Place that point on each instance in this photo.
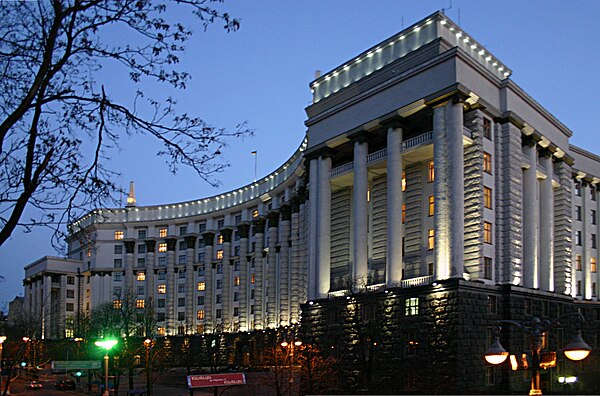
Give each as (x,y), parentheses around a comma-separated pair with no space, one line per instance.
(34,385)
(65,384)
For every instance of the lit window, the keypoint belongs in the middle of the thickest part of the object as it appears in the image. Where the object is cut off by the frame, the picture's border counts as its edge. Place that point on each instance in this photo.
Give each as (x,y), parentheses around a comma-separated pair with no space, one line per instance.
(117,304)
(220,254)
(431,172)
(403,181)
(141,276)
(403,213)
(139,303)
(119,234)
(487,163)
(220,239)
(487,197)
(162,289)
(162,247)
(487,129)
(200,329)
(578,265)
(430,239)
(200,314)
(487,268)
(255,213)
(593,267)
(201,286)
(411,306)
(162,233)
(236,281)
(252,278)
(161,331)
(368,195)
(487,232)
(431,205)
(89,252)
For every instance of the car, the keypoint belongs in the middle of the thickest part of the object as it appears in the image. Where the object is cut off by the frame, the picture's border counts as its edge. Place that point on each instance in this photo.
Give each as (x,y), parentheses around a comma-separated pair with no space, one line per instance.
(34,385)
(65,384)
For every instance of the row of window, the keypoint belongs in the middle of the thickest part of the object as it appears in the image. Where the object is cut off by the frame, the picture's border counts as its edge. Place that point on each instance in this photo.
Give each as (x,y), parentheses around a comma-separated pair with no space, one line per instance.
(579,265)
(578,188)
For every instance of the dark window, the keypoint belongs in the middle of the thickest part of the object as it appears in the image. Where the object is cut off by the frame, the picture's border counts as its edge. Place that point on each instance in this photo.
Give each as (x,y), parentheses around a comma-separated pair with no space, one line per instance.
(181,302)
(200,300)
(161,303)
(180,315)
(492,304)
(487,267)
(487,129)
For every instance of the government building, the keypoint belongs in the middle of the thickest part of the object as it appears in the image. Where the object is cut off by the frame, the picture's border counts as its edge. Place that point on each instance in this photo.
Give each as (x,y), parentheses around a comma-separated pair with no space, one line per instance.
(431,198)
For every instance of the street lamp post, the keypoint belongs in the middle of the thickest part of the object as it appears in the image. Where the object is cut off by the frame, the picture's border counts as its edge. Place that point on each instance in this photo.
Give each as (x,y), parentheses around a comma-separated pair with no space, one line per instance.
(107,345)
(535,329)
(148,343)
(292,346)
(2,339)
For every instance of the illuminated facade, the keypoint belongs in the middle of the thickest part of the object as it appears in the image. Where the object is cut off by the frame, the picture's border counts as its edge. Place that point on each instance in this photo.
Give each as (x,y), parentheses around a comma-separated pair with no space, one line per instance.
(425,166)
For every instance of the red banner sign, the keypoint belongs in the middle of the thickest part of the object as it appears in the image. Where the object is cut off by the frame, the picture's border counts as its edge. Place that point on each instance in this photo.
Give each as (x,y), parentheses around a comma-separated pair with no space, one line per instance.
(209,380)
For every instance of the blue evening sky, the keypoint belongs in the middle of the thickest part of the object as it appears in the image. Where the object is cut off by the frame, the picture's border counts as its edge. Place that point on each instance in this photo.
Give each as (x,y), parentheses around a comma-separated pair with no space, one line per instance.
(261,73)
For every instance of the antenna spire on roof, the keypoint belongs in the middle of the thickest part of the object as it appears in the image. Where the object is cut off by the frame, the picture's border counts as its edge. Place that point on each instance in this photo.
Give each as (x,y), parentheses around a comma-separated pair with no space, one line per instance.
(131,201)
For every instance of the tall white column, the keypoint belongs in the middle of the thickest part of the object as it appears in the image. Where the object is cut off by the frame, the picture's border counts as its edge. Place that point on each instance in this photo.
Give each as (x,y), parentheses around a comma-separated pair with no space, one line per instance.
(586,282)
(530,219)
(313,228)
(359,215)
(456,187)
(393,268)
(150,282)
(324,228)
(171,287)
(190,276)
(547,225)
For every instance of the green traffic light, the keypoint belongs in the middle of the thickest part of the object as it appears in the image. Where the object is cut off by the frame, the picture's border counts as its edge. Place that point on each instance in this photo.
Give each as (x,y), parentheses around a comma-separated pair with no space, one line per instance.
(23,364)
(78,373)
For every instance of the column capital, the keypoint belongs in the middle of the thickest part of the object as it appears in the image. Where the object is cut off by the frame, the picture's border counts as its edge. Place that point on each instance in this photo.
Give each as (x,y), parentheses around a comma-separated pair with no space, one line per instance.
(528,140)
(394,122)
(150,245)
(273,217)
(285,211)
(259,225)
(324,151)
(226,232)
(209,238)
(190,241)
(171,243)
(360,136)
(243,229)
(129,245)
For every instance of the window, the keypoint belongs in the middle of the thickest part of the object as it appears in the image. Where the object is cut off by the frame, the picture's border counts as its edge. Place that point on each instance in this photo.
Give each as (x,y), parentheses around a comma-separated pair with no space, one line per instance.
(70,293)
(235,296)
(220,239)
(161,275)
(89,252)
(139,303)
(119,235)
(411,343)
(181,274)
(593,289)
(140,290)
(161,330)
(578,238)
(219,268)
(201,286)
(201,270)
(527,306)
(180,317)
(431,172)
(578,288)
(70,280)
(118,249)
(117,304)
(403,213)
(237,219)
(182,259)
(487,163)
(219,299)
(594,241)
(236,264)
(182,230)
(236,281)
(141,234)
(403,181)
(181,288)
(220,223)
(117,291)
(201,227)
(593,217)
(162,261)
(411,306)
(430,239)
(200,300)
(162,247)
(251,294)
(487,197)
(593,266)
(200,314)
(219,284)
(578,189)
(492,305)
(141,249)
(252,278)
(141,276)
(183,245)
(162,233)
(236,311)
(160,303)
(487,268)
(578,213)
(220,254)
(201,257)
(487,232)
(181,302)
(255,213)
(118,263)
(592,194)
(429,268)
(487,129)
(251,309)
(431,205)
(141,262)
(70,307)
(578,265)
(218,314)
(162,289)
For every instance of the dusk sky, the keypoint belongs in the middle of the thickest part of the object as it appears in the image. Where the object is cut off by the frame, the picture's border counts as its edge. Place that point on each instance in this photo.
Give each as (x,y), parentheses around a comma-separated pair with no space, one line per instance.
(261,73)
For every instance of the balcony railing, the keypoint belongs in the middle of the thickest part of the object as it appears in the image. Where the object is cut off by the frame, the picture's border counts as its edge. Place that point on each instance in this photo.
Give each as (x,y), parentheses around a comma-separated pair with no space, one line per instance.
(404,284)
(417,140)
(412,282)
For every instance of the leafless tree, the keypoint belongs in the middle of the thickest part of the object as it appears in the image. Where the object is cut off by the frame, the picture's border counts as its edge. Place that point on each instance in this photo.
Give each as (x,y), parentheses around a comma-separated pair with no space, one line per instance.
(59,119)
